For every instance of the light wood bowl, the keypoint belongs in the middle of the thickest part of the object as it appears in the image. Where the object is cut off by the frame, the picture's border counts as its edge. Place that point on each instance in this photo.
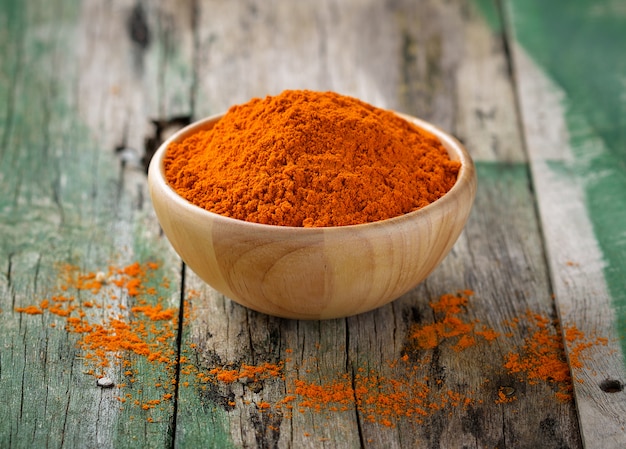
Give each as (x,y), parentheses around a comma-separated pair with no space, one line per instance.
(313,273)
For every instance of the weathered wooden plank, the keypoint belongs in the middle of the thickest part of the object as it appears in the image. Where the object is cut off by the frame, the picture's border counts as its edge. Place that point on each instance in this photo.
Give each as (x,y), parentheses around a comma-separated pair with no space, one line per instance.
(440,62)
(320,352)
(76,84)
(71,108)
(573,125)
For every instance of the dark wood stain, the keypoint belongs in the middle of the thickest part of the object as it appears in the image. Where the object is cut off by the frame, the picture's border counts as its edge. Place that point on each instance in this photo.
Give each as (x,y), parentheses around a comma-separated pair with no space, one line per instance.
(138,30)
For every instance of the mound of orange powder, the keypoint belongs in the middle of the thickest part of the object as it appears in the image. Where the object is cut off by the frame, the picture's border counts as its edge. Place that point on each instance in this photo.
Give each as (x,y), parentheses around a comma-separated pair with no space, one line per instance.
(311,159)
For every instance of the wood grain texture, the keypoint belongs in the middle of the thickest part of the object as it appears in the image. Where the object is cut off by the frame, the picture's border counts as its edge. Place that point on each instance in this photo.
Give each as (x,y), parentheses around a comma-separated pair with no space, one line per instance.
(73,191)
(575,259)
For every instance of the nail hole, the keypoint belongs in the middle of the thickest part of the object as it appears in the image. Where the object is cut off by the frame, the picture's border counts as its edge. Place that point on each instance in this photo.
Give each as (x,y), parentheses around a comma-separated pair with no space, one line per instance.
(611,386)
(507,391)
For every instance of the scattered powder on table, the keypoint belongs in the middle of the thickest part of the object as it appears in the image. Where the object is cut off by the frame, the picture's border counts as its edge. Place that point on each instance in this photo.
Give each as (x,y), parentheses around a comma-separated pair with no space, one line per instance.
(305,158)
(505,395)
(451,324)
(31,310)
(405,392)
(542,358)
(109,334)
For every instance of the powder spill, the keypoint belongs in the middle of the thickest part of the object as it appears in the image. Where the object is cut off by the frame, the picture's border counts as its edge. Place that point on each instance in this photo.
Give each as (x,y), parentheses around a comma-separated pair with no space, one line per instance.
(450,325)
(542,358)
(111,335)
(404,393)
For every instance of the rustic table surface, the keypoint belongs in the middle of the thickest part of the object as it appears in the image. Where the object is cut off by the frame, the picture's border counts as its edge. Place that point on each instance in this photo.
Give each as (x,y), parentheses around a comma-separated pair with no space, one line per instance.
(90,288)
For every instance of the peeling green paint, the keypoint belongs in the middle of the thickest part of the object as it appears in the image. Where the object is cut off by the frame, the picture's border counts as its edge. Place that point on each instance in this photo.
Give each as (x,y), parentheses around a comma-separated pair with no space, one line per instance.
(580,46)
(490,10)
(59,202)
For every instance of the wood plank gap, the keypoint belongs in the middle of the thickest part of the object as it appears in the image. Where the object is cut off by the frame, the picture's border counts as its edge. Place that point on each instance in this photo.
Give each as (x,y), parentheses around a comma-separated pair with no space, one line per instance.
(507,39)
(179,340)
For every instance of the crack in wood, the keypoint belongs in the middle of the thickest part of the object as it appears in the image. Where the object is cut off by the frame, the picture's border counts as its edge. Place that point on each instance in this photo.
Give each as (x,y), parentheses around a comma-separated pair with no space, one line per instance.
(266,428)
(359,423)
(179,351)
(36,274)
(8,270)
(611,386)
(163,128)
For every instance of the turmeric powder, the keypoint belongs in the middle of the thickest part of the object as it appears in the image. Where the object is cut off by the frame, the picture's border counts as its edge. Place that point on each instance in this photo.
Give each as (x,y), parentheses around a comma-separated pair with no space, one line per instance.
(405,395)
(148,331)
(451,325)
(311,159)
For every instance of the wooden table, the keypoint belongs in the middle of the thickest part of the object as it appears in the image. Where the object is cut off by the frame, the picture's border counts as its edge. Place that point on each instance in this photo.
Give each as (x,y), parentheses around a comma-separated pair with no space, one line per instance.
(534,89)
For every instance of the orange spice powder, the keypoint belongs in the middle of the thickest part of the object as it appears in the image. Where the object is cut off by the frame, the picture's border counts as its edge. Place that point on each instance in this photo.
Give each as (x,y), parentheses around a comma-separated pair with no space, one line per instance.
(578,342)
(147,331)
(405,395)
(30,310)
(542,358)
(451,325)
(305,158)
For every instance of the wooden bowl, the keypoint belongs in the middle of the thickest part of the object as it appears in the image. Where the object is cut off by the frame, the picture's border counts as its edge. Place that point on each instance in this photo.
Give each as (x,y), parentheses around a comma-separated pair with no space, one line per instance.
(313,273)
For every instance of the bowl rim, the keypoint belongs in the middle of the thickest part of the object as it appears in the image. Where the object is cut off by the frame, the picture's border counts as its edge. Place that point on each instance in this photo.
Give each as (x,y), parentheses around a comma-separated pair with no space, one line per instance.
(465,177)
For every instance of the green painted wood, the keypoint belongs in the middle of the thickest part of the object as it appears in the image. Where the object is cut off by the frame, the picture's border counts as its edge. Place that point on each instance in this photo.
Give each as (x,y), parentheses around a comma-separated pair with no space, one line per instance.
(75,85)
(590,72)
(569,79)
